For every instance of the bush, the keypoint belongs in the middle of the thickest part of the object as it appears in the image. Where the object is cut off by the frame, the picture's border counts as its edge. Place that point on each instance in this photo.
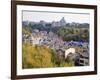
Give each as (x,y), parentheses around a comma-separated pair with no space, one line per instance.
(36,57)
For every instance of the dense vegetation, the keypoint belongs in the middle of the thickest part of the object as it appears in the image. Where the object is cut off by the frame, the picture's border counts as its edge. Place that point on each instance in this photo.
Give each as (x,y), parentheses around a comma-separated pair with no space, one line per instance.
(40,57)
(35,57)
(75,34)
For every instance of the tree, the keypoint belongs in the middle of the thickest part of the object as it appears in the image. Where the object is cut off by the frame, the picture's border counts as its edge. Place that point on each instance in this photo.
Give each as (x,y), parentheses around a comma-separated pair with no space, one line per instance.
(36,57)
(26,31)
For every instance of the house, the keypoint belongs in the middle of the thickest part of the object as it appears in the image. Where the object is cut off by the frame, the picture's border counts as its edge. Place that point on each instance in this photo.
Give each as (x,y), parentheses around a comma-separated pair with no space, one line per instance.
(43,33)
(35,31)
(83,58)
(68,51)
(33,40)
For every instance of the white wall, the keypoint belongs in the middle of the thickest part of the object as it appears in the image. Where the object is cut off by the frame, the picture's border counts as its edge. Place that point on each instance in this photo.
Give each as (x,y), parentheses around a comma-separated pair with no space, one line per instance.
(5,37)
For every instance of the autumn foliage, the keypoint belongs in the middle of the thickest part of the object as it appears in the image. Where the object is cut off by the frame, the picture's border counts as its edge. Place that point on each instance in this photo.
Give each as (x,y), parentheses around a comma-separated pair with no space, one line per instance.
(36,57)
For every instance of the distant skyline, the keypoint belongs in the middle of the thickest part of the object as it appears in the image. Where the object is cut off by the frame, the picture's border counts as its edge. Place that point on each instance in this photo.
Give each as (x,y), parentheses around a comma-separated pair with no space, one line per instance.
(69,17)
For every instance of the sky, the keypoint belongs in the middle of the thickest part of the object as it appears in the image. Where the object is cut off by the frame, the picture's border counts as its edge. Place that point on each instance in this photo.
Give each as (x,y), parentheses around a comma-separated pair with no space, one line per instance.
(70,17)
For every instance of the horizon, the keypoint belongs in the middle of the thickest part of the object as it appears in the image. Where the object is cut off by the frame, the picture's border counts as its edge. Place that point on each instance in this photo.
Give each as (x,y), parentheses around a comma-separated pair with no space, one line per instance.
(55,21)
(37,16)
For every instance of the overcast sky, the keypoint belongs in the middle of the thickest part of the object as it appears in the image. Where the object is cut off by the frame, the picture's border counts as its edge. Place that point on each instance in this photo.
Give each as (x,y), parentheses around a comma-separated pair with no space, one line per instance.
(36,16)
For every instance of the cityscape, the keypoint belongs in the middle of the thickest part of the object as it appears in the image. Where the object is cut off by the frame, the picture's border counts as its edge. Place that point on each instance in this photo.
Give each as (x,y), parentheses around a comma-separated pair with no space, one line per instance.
(55,44)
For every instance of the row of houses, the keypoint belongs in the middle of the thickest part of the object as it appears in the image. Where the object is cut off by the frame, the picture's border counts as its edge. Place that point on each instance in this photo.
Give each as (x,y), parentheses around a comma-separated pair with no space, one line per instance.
(43,38)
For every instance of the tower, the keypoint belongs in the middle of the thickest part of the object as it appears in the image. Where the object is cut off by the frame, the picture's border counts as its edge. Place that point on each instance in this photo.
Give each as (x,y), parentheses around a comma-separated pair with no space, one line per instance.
(62,22)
